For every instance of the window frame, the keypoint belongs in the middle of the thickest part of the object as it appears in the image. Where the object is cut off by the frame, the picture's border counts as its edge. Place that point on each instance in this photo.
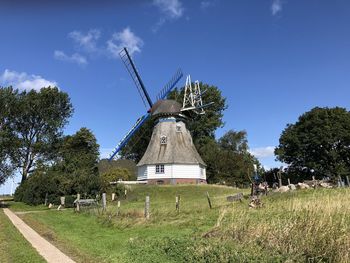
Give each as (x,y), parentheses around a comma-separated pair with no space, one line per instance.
(163,140)
(160,169)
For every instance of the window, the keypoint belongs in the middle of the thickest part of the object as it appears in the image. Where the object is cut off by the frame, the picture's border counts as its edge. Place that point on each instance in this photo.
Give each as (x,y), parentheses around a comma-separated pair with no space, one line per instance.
(159,168)
(163,139)
(178,128)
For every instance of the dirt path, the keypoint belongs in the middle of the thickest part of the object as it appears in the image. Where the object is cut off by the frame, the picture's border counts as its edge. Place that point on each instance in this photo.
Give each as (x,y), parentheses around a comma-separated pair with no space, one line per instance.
(49,252)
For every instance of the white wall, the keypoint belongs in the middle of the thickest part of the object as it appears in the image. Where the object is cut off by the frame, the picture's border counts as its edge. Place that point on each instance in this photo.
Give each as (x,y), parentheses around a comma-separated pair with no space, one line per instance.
(192,171)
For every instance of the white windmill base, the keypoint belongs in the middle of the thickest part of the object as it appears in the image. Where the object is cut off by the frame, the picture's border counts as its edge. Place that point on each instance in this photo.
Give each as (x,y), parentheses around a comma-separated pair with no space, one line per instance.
(172,174)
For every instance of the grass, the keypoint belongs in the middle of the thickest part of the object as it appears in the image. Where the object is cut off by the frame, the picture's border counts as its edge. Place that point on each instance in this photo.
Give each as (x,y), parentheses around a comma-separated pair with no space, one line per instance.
(14,248)
(300,226)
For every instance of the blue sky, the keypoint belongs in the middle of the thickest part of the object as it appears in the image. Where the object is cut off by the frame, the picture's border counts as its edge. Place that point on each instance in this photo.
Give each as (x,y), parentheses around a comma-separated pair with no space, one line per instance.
(272,59)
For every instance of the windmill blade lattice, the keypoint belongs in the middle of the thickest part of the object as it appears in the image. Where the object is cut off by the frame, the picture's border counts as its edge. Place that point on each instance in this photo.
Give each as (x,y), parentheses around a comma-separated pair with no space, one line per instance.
(128,136)
(170,85)
(130,66)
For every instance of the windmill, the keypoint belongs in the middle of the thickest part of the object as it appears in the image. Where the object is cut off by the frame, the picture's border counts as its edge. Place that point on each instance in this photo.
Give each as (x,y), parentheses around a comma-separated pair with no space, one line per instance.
(171,156)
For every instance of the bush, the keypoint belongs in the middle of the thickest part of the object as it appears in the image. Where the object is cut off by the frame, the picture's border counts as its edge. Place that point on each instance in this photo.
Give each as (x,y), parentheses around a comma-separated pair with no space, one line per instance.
(33,190)
(114,175)
(119,190)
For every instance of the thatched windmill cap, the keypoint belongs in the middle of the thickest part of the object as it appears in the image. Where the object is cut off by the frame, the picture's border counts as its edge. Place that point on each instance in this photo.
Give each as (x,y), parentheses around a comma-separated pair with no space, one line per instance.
(166,107)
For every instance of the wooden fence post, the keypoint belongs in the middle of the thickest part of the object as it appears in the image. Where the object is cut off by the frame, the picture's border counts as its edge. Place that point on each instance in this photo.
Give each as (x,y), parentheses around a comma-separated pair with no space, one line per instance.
(113,196)
(125,193)
(62,199)
(209,202)
(347,181)
(118,208)
(147,205)
(46,198)
(288,181)
(177,203)
(78,204)
(104,201)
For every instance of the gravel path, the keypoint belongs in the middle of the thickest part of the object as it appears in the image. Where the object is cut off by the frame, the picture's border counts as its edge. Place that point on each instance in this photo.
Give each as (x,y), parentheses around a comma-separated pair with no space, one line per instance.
(49,252)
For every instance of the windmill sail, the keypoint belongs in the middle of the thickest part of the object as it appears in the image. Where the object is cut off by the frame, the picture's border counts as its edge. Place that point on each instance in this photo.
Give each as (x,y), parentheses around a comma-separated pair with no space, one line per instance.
(170,85)
(130,66)
(128,136)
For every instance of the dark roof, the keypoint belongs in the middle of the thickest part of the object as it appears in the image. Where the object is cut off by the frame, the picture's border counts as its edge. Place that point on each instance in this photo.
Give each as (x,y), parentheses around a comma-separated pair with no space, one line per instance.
(166,107)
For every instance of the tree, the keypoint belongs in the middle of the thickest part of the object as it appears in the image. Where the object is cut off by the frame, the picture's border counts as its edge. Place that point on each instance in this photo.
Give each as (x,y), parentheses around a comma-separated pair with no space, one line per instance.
(105,165)
(36,123)
(234,160)
(78,163)
(114,175)
(73,171)
(317,144)
(7,98)
(202,127)
(228,159)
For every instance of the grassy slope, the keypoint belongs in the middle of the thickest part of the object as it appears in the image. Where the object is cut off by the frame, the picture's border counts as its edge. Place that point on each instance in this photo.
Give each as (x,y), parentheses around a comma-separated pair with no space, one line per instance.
(300,226)
(14,248)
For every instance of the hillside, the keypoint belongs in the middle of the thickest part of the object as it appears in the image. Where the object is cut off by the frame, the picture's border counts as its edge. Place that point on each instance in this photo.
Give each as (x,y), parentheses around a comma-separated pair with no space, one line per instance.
(297,226)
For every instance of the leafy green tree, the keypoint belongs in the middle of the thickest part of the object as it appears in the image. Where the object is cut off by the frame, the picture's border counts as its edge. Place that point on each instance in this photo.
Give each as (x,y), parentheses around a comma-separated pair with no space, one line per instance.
(318,143)
(234,159)
(73,171)
(228,160)
(105,165)
(7,98)
(36,122)
(78,163)
(234,141)
(114,175)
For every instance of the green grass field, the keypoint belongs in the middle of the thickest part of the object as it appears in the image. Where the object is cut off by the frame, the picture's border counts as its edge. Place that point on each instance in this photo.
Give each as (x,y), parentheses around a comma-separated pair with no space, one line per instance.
(301,226)
(14,248)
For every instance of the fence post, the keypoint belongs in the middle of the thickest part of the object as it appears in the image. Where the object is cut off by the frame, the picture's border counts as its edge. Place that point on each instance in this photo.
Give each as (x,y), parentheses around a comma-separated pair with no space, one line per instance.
(125,193)
(78,205)
(177,203)
(147,205)
(288,181)
(113,196)
(118,208)
(347,181)
(104,201)
(62,199)
(209,202)
(46,198)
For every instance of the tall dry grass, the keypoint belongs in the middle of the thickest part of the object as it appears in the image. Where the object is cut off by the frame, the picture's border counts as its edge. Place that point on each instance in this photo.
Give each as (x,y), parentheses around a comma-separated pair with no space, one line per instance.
(312,226)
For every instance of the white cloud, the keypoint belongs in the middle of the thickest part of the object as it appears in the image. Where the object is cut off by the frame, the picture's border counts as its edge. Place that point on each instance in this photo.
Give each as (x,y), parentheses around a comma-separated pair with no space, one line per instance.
(170,8)
(125,38)
(86,41)
(276,6)
(263,152)
(24,81)
(74,58)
